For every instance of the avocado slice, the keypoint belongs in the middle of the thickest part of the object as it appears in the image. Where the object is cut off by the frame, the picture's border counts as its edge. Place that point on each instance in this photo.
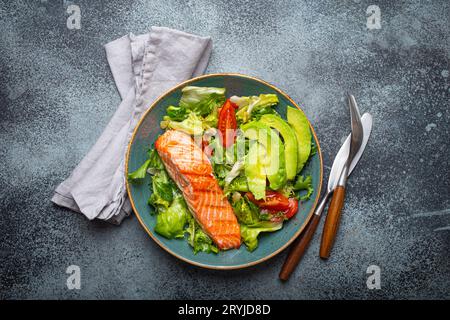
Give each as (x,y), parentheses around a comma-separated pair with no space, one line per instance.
(290,142)
(275,165)
(255,170)
(297,119)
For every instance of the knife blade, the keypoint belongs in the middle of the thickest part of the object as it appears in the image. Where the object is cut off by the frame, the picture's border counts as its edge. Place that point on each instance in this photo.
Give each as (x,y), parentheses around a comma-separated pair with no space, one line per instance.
(341,156)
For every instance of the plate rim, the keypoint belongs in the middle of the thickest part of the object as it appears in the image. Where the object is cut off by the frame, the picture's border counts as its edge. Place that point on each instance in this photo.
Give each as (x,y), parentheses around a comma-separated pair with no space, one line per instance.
(204,265)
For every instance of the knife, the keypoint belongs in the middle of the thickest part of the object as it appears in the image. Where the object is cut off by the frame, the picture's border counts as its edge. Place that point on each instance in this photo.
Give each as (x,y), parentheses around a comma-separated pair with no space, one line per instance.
(300,245)
(337,202)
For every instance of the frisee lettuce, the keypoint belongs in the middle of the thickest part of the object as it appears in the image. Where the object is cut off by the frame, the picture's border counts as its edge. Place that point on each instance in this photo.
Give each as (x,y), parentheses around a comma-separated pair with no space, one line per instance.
(304,183)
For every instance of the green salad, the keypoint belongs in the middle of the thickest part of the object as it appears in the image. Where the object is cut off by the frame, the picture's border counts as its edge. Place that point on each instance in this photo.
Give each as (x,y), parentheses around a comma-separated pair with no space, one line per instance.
(257,158)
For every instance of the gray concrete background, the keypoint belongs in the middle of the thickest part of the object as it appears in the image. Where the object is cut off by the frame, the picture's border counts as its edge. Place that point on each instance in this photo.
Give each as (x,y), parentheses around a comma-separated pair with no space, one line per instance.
(57,94)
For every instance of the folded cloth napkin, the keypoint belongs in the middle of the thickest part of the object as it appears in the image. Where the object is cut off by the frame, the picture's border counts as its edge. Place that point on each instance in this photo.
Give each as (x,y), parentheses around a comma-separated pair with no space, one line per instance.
(143,68)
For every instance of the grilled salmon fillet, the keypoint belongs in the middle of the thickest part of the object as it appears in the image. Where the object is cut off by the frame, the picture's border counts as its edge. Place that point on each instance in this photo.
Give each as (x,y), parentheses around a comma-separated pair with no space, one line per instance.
(191,170)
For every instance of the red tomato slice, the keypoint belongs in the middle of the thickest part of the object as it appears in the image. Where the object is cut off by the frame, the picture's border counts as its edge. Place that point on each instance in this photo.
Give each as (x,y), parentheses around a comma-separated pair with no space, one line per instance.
(274,201)
(227,123)
(293,208)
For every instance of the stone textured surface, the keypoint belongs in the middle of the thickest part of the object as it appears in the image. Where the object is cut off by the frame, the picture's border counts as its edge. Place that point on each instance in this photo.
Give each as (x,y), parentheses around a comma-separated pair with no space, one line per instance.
(57,93)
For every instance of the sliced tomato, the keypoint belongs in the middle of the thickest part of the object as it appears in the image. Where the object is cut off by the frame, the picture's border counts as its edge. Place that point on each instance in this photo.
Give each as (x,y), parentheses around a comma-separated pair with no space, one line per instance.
(276,204)
(227,123)
(293,208)
(274,201)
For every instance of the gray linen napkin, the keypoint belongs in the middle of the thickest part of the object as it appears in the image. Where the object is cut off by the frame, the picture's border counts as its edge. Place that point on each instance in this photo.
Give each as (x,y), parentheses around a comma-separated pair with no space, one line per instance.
(143,67)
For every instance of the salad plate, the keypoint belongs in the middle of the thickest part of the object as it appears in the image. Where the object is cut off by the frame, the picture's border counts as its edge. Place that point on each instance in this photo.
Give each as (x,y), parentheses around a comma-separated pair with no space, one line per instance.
(159,205)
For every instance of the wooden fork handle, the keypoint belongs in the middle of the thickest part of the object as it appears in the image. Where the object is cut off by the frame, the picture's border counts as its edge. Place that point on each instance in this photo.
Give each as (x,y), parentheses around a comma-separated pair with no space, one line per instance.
(332,222)
(298,249)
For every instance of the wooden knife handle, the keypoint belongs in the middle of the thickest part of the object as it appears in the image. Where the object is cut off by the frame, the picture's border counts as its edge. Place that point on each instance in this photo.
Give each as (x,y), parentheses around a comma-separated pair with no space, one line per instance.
(298,249)
(332,222)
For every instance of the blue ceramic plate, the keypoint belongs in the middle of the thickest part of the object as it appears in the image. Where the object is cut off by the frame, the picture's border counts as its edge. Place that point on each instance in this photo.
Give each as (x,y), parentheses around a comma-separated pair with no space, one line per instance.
(145,135)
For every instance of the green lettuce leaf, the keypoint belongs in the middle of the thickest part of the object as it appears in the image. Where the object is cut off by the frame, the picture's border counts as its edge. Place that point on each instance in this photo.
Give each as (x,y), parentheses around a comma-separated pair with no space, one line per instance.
(250,233)
(246,211)
(163,190)
(192,125)
(304,183)
(156,163)
(218,151)
(253,104)
(197,239)
(139,173)
(177,113)
(202,100)
(241,102)
(219,161)
(212,119)
(239,184)
(288,190)
(292,189)
(257,114)
(170,222)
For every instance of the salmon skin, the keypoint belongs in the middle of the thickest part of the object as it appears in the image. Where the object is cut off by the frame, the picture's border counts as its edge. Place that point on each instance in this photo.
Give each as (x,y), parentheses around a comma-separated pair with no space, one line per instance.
(191,170)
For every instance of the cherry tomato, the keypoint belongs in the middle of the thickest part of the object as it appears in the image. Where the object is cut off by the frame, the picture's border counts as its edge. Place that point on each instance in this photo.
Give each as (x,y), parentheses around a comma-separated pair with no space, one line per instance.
(274,201)
(227,123)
